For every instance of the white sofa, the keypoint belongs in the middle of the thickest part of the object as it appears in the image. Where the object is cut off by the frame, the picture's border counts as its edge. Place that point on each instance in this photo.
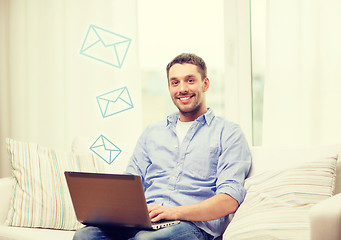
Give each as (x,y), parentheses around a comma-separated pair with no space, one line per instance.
(325,216)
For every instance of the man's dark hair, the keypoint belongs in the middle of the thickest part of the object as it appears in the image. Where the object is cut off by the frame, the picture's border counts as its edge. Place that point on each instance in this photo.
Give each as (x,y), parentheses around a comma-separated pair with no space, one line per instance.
(192,59)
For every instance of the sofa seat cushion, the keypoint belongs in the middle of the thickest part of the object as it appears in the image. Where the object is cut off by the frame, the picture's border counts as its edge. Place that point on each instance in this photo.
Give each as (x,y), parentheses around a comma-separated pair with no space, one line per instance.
(14,233)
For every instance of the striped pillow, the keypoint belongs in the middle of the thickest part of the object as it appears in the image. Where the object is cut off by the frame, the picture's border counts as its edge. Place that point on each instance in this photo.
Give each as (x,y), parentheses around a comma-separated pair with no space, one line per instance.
(277,203)
(41,197)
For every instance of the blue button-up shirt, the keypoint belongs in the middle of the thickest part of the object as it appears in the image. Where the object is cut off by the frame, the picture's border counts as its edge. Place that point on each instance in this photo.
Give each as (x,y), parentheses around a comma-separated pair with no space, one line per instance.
(213,158)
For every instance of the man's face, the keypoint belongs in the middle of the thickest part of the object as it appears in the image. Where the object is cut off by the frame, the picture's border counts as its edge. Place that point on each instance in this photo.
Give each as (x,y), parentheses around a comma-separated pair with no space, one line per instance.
(187,90)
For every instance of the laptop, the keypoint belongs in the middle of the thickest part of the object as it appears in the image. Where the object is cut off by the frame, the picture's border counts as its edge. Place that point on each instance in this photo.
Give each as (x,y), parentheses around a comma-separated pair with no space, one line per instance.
(101,199)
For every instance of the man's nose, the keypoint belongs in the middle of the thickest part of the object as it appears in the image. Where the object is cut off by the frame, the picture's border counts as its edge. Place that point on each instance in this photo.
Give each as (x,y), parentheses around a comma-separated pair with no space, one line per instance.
(183,87)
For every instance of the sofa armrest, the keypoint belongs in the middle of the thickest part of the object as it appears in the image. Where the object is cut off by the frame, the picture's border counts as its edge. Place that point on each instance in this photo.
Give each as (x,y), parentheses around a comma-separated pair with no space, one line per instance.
(5,199)
(325,219)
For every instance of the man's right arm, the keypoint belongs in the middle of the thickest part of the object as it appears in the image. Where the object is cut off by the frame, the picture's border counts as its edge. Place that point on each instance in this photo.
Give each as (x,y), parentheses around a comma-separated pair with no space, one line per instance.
(139,161)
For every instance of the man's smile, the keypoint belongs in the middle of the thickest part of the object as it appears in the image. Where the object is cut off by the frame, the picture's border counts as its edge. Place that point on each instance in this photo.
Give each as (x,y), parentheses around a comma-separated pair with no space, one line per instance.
(185,99)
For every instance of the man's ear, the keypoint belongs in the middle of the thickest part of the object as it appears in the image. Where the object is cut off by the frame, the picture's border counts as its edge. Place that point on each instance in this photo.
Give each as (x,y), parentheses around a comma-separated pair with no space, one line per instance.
(206,84)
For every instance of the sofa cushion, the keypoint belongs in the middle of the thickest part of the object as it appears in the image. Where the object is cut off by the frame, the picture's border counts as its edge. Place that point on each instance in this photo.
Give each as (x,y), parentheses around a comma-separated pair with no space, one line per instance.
(272,158)
(277,202)
(5,199)
(14,233)
(41,197)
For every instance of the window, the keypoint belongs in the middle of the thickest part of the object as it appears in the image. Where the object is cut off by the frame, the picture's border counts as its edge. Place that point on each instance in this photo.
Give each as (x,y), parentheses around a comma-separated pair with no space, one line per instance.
(182,26)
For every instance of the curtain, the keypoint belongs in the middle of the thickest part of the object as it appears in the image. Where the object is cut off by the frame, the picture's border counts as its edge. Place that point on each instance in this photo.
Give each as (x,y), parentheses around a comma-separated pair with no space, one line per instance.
(302,86)
(49,90)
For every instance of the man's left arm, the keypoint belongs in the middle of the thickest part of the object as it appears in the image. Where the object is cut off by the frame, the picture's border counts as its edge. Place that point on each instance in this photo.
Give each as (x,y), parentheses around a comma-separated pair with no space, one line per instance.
(212,208)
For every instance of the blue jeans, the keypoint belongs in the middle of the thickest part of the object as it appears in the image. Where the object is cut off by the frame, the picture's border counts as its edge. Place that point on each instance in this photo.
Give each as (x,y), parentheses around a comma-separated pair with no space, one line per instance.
(182,231)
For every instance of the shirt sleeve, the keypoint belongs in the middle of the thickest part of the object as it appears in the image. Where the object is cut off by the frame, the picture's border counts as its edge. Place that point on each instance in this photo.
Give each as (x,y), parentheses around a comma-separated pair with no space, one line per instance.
(234,163)
(139,161)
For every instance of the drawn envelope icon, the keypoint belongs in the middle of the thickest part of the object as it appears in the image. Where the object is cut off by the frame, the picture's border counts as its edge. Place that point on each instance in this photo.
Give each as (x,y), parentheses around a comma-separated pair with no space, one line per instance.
(105,149)
(114,102)
(105,46)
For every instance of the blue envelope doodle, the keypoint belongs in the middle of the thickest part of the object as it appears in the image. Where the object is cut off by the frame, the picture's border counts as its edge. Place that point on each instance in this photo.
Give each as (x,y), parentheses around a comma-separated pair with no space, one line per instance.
(114,102)
(105,149)
(105,46)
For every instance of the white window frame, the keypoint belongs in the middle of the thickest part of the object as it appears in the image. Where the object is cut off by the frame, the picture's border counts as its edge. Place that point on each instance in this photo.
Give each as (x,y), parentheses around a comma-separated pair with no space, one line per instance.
(238,73)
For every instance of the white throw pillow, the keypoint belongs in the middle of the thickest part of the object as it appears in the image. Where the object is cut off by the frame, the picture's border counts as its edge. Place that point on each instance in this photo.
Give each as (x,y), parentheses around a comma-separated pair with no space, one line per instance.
(41,197)
(277,202)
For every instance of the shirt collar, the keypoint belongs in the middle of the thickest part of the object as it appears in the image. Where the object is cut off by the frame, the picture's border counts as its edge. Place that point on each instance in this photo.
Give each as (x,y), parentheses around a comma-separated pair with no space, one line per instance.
(205,118)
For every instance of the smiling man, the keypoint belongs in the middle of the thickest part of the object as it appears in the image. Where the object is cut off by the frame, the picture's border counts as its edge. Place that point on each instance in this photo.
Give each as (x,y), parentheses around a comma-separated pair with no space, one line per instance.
(192,165)
(187,87)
